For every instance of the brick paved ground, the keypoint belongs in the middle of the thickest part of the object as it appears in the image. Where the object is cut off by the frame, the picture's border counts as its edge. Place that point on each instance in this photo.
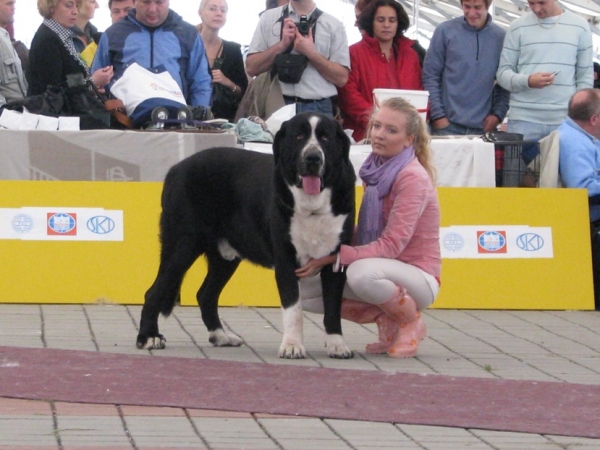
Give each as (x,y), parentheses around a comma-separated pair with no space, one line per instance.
(529,345)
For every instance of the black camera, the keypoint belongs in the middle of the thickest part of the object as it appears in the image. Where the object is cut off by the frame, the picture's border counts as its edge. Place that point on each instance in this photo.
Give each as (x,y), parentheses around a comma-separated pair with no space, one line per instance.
(304,25)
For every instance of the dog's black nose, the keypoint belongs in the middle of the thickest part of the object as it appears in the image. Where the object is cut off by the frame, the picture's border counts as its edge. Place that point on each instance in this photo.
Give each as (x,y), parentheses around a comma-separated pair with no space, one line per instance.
(313,158)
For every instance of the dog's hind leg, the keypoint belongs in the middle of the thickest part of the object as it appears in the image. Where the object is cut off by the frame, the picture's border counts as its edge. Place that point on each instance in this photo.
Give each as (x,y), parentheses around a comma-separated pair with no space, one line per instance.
(219,273)
(164,292)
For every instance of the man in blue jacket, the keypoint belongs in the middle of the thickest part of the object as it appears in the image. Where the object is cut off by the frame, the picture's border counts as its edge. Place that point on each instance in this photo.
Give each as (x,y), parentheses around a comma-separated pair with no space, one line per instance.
(156,37)
(459,72)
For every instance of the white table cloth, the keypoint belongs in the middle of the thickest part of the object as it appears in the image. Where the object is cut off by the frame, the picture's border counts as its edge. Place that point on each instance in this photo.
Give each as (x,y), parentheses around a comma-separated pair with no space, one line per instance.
(459,162)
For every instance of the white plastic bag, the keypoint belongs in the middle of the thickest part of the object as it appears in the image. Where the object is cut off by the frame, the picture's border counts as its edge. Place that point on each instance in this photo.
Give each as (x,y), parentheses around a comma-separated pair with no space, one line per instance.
(278,117)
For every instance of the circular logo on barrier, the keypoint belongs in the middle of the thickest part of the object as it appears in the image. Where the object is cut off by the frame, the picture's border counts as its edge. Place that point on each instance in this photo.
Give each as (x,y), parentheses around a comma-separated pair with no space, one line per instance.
(100,225)
(22,223)
(492,241)
(62,223)
(453,242)
(530,242)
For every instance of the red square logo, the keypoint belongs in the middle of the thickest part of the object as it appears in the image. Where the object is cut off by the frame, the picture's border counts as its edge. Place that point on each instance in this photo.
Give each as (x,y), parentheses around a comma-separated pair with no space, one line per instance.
(61,224)
(491,242)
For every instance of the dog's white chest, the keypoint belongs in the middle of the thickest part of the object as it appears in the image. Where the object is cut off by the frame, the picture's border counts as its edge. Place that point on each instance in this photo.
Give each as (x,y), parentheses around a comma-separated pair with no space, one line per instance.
(315,232)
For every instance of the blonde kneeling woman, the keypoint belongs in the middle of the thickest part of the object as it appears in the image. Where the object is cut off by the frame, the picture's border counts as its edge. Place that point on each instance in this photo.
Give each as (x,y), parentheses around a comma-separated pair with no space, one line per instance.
(393,268)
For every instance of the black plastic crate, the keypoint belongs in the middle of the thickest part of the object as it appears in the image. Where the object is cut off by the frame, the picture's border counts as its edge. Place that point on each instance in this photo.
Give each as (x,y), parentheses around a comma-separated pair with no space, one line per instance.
(515,159)
(516,163)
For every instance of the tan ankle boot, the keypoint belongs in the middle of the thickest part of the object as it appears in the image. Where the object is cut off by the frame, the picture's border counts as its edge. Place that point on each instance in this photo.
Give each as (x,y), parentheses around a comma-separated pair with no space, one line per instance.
(403,310)
(360,312)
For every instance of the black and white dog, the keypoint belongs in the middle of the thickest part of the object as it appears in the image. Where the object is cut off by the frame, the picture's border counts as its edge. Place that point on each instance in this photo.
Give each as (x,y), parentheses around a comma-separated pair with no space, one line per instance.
(275,211)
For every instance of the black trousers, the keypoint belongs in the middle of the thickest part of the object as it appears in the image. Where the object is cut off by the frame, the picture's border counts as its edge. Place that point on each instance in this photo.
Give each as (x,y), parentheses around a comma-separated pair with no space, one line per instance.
(595,235)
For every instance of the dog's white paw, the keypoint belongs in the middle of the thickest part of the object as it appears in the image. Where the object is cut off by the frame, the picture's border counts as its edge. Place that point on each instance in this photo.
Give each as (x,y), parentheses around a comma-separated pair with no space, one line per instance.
(219,338)
(155,343)
(291,350)
(337,348)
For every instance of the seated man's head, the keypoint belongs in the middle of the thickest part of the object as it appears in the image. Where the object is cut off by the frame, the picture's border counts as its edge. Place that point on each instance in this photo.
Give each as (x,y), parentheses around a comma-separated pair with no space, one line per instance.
(119,9)
(151,13)
(584,109)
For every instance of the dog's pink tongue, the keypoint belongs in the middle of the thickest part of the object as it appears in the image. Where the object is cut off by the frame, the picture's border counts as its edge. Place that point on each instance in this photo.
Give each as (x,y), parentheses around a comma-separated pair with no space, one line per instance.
(311,185)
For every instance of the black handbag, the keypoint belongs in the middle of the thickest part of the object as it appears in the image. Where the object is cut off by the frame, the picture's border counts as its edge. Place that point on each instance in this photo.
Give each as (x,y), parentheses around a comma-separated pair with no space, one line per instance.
(50,103)
(85,102)
(290,67)
(76,99)
(224,101)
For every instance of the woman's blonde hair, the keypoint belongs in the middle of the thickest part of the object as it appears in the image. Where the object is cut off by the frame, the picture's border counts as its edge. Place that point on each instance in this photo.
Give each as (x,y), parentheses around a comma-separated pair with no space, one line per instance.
(203,5)
(45,7)
(416,127)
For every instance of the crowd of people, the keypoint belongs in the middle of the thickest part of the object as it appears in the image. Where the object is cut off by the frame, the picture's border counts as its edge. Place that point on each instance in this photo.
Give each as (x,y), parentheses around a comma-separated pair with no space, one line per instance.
(474,70)
(539,73)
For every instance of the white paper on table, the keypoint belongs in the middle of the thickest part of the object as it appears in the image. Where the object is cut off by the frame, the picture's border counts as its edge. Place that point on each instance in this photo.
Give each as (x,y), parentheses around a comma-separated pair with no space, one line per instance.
(68,123)
(47,123)
(29,121)
(10,119)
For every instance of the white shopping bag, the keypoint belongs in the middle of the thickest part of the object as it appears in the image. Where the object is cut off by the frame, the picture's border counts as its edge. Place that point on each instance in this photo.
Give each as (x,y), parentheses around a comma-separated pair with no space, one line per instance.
(138,84)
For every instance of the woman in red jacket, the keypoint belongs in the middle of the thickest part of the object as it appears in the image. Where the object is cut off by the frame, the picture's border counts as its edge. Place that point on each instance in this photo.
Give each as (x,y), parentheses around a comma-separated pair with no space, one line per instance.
(384,58)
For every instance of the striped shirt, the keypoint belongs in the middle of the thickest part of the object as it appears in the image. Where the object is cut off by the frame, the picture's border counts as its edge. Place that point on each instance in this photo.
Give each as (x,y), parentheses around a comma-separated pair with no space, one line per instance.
(555,43)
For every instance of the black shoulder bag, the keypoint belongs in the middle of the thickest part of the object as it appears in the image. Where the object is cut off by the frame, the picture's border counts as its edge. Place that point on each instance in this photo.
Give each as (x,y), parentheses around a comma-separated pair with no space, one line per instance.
(287,66)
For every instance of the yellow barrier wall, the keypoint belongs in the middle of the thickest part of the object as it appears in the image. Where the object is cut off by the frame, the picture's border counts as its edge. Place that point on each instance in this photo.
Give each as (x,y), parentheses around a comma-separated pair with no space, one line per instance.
(561,282)
(121,272)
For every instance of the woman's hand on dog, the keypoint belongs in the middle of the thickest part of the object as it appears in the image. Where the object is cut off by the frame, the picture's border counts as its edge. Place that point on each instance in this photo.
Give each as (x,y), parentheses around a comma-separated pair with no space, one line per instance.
(314,266)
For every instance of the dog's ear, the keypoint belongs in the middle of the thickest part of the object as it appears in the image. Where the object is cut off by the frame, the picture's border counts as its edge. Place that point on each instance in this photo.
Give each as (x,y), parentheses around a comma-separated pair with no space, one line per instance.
(344,140)
(277,142)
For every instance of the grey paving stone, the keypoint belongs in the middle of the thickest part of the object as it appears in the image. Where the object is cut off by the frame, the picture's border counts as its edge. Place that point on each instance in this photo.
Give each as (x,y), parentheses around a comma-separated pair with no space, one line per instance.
(27,430)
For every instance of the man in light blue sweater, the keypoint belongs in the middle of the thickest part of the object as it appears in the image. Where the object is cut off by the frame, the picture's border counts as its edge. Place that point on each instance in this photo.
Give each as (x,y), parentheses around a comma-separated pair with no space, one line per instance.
(459,72)
(546,57)
(579,160)
(579,144)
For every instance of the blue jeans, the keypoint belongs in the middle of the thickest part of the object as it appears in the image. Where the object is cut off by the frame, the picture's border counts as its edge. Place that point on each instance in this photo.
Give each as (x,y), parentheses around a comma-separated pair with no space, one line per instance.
(531,132)
(456,129)
(323,106)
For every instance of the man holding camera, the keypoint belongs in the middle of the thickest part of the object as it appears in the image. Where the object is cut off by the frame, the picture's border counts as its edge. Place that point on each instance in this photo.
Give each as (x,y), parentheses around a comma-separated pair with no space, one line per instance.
(289,31)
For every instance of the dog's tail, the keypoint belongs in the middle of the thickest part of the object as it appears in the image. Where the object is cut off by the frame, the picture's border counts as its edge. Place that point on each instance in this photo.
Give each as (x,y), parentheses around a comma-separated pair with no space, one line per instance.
(179,245)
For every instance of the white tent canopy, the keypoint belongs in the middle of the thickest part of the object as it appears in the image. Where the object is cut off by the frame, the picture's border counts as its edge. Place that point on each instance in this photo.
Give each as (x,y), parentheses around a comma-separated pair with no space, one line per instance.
(427,14)
(243,16)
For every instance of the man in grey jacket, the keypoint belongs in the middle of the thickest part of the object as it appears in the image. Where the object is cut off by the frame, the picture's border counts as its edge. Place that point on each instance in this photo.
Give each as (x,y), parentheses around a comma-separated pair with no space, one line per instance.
(12,81)
(459,72)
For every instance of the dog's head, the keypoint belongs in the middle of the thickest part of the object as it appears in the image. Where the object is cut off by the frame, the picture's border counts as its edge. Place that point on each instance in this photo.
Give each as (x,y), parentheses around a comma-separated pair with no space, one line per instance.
(311,150)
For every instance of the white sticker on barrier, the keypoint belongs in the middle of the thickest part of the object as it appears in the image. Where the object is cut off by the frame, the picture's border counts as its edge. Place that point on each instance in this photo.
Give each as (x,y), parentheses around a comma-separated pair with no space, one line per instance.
(496,241)
(61,224)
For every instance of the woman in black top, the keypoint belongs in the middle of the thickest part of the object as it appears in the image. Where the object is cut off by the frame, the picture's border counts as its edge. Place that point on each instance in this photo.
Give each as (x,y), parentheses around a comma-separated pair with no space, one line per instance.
(224,59)
(53,55)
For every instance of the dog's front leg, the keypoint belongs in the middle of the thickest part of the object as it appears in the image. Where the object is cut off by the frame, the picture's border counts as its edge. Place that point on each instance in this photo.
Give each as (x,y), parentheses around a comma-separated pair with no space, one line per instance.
(333,288)
(292,346)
